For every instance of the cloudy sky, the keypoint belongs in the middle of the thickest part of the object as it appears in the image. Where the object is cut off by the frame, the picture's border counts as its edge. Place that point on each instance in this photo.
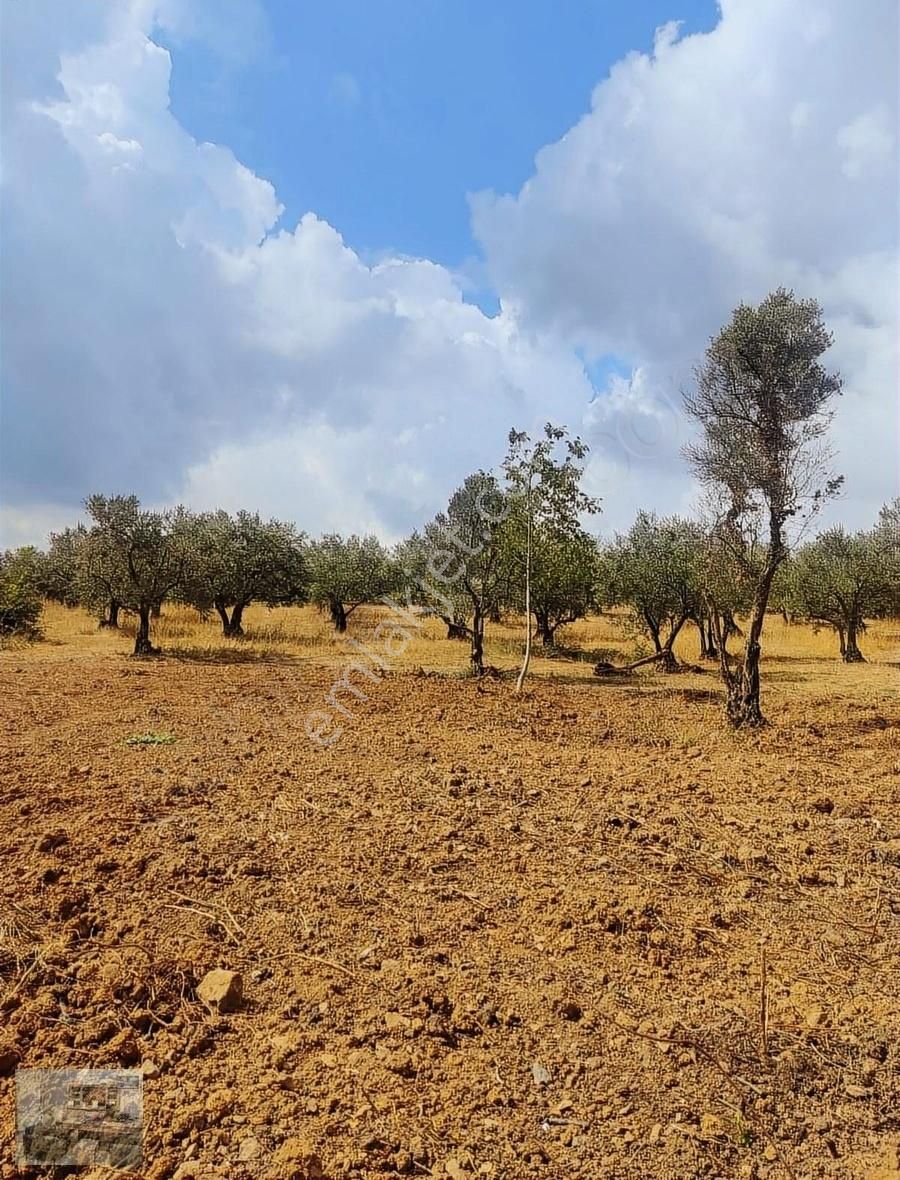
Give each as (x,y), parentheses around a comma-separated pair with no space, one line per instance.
(317,260)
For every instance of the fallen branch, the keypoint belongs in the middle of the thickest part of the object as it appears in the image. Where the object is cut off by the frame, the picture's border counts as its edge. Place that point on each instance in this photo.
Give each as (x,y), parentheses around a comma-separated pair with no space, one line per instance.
(605,669)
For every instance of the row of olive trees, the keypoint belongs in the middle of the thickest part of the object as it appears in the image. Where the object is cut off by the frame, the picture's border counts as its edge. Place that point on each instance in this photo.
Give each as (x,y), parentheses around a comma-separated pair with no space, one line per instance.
(515,544)
(661,570)
(761,401)
(133,559)
(672,572)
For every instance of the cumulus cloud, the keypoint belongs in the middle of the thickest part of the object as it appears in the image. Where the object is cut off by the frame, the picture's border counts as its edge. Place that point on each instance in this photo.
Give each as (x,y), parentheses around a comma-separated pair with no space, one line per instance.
(164,332)
(763,153)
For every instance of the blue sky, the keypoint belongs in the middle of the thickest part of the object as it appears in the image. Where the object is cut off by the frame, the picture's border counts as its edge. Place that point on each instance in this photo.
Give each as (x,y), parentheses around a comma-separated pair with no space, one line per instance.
(316,259)
(382,117)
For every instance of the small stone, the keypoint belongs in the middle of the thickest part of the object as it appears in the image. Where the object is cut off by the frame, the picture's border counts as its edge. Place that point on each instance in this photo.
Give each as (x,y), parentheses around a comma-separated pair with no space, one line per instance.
(855,1091)
(222,990)
(50,841)
(655,1133)
(124,1048)
(770,1153)
(541,1075)
(250,1149)
(455,1170)
(149,1069)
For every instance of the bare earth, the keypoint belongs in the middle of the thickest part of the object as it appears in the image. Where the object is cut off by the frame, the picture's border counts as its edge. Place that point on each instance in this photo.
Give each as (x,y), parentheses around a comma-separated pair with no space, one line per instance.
(480,936)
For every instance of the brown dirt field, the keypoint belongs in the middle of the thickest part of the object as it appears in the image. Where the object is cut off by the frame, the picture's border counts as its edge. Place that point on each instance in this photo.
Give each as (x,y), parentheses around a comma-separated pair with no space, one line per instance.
(481,935)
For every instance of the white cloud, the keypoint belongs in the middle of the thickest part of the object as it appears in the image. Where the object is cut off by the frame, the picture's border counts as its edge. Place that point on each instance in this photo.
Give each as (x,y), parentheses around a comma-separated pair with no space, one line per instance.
(165,337)
(761,154)
(163,334)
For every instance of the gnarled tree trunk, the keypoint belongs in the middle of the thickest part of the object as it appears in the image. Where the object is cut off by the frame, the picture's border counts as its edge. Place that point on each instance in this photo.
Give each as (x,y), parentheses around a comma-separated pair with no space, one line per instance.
(653,628)
(545,629)
(112,615)
(743,704)
(231,627)
(850,651)
(711,649)
(338,615)
(477,654)
(142,645)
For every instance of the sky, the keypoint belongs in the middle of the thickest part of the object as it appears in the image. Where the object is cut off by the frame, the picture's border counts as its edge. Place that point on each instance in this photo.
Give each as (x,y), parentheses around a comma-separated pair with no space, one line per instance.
(316,260)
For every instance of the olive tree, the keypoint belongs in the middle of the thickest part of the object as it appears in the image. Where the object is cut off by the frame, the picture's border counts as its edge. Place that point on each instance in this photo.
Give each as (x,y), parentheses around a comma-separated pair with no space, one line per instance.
(62,564)
(549,555)
(656,569)
(840,579)
(132,557)
(467,556)
(761,402)
(346,572)
(21,572)
(424,588)
(564,580)
(236,560)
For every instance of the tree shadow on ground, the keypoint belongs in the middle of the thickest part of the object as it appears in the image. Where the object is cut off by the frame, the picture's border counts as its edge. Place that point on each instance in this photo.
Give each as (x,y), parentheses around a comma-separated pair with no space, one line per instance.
(710,694)
(783,677)
(231,655)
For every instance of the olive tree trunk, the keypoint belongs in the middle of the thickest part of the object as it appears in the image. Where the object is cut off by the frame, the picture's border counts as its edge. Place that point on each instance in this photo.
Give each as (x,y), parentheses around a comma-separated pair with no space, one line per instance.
(545,629)
(142,645)
(231,627)
(477,654)
(743,704)
(112,615)
(851,652)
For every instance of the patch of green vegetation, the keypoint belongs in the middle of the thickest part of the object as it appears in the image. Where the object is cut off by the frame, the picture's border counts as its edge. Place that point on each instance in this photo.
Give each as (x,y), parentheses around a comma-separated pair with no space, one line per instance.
(151,739)
(743,1135)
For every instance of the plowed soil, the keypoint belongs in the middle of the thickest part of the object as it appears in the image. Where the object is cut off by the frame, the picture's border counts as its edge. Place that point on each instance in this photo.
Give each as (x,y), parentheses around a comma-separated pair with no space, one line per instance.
(583,933)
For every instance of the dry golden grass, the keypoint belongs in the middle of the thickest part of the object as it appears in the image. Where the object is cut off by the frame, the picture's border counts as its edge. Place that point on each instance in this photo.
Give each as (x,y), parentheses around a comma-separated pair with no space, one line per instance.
(797,657)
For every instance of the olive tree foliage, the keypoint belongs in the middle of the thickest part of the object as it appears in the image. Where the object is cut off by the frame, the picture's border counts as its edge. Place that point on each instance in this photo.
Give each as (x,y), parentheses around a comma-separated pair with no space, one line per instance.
(61,566)
(549,556)
(21,577)
(423,587)
(346,572)
(564,580)
(761,402)
(466,557)
(656,569)
(235,560)
(886,536)
(133,558)
(840,579)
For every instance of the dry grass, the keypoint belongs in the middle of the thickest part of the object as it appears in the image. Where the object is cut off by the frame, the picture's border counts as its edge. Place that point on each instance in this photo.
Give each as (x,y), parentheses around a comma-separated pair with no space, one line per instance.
(291,634)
